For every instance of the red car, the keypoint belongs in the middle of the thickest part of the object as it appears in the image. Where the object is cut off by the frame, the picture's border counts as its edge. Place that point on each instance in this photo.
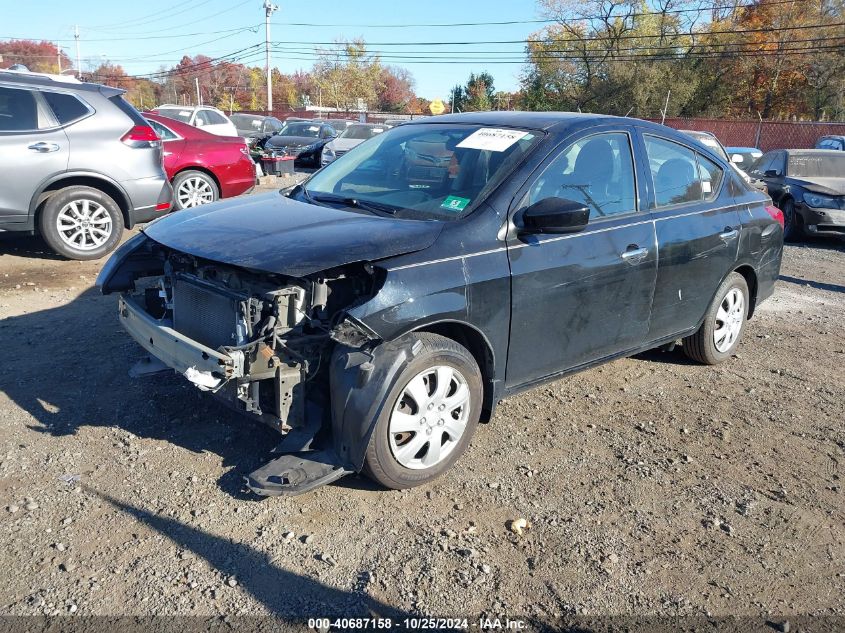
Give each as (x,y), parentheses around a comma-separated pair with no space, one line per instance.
(203,167)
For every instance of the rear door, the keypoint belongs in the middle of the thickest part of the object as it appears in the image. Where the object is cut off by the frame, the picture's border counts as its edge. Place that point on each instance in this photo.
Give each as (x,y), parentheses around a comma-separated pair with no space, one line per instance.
(698,228)
(32,149)
(580,297)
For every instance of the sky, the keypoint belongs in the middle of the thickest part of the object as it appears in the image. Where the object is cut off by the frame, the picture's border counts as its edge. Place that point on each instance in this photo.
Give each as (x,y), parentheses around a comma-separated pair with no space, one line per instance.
(142,36)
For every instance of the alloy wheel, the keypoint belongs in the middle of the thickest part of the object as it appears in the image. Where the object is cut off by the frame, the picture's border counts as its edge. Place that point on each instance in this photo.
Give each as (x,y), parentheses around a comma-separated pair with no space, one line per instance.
(429,417)
(84,224)
(193,192)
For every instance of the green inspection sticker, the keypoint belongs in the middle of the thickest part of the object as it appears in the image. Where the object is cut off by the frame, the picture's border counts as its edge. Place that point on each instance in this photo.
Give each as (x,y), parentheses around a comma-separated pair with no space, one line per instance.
(454,203)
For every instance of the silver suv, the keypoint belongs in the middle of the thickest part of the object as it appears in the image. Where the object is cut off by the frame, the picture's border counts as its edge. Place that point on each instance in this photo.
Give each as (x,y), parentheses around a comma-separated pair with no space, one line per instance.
(78,164)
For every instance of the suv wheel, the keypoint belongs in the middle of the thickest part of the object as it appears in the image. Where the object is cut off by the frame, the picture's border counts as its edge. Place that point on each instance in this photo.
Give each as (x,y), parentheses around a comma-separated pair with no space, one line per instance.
(81,223)
(192,188)
(719,335)
(430,416)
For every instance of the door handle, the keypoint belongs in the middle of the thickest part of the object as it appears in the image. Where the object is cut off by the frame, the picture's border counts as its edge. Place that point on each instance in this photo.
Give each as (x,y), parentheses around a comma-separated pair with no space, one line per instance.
(634,255)
(43,148)
(728,234)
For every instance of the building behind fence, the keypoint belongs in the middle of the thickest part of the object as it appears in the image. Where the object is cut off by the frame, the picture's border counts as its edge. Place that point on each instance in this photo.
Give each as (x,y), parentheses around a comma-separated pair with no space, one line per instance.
(765,135)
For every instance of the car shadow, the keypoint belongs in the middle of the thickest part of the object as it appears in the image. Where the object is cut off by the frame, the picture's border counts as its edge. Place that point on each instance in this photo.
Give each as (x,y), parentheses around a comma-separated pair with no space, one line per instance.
(71,371)
(818,285)
(31,246)
(288,596)
(674,357)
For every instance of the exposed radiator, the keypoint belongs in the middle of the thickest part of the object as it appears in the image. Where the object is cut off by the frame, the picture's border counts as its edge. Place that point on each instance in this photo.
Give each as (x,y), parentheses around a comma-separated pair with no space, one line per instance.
(206,315)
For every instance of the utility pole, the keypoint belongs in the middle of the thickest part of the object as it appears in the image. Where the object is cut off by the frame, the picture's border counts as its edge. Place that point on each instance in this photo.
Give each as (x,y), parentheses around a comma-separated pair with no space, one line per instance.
(78,58)
(269,7)
(59,57)
(199,95)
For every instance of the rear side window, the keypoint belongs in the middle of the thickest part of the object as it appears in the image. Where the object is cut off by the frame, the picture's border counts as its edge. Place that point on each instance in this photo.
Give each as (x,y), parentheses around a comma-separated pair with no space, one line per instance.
(67,108)
(18,110)
(163,133)
(711,177)
(210,117)
(128,110)
(673,171)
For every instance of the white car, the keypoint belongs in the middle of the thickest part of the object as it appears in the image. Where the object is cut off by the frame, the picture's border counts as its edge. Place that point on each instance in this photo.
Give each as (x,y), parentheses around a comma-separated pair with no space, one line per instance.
(205,117)
(352,136)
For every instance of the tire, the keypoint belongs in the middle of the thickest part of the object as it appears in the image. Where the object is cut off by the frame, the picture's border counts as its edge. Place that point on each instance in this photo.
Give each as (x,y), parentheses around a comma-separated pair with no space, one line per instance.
(92,221)
(704,345)
(385,461)
(793,229)
(193,188)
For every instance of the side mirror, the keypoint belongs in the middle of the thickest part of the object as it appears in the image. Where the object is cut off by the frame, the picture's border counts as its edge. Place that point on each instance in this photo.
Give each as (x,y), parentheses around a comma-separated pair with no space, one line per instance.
(771,173)
(736,158)
(555,215)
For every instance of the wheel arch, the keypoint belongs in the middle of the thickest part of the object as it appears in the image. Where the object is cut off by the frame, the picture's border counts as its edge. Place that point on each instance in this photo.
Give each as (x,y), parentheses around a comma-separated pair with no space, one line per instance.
(479,346)
(202,169)
(750,275)
(95,181)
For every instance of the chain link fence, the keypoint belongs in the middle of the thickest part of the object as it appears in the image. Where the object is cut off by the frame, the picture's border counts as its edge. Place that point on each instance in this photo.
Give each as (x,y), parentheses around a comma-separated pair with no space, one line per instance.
(764,135)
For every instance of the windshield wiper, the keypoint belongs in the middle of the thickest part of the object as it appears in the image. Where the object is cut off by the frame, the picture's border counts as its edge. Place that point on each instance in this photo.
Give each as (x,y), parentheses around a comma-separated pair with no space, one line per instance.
(355,203)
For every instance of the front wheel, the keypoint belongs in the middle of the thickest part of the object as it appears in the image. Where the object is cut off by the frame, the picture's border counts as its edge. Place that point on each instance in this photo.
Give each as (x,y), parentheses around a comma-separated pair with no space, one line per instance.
(793,227)
(430,417)
(719,335)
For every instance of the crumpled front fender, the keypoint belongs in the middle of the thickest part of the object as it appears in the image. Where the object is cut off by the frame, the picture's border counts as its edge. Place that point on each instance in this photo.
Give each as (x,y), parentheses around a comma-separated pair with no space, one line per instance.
(361,383)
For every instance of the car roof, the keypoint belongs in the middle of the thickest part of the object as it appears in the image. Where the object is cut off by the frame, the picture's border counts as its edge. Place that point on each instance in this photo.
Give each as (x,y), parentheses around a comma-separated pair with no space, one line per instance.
(533,120)
(176,106)
(182,129)
(56,81)
(812,152)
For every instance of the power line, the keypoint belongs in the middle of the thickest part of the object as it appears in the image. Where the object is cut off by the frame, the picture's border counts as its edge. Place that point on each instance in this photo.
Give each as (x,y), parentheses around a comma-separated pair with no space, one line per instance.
(700,9)
(170,15)
(156,17)
(586,38)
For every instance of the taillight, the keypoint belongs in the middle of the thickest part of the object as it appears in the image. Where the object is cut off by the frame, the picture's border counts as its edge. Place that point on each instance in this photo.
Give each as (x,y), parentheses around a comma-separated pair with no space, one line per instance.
(141,136)
(777,214)
(162,206)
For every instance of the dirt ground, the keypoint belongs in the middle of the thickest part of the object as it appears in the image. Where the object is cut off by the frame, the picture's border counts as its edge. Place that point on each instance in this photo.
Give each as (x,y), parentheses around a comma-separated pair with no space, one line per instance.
(653,486)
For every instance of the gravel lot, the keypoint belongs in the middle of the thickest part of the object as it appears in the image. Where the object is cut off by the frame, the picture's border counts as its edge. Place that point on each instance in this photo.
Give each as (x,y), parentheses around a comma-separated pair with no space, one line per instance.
(652,485)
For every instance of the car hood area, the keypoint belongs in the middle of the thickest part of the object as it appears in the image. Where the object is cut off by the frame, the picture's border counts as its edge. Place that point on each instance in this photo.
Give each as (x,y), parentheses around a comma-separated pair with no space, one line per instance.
(272,233)
(345,144)
(825,186)
(293,141)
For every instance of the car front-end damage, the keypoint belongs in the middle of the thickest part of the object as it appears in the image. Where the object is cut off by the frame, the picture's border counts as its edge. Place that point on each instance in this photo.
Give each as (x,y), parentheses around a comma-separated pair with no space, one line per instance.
(263,343)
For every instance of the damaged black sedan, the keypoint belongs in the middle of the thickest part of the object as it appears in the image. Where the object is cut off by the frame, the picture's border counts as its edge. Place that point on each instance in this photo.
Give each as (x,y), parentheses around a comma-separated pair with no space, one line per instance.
(374,314)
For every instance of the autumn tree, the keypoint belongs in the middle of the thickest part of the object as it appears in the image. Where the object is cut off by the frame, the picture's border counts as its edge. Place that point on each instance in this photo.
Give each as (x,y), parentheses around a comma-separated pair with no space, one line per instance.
(42,57)
(346,73)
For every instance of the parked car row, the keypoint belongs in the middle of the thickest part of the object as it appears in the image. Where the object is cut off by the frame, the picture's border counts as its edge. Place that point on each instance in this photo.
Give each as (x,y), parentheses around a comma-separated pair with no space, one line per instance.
(808,185)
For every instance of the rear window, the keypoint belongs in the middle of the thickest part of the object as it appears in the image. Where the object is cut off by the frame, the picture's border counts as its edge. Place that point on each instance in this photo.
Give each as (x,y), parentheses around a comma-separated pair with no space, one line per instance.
(128,110)
(817,165)
(175,113)
(67,108)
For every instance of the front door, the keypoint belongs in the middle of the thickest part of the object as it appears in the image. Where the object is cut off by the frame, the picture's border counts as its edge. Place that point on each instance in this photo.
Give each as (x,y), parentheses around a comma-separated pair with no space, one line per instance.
(32,148)
(580,297)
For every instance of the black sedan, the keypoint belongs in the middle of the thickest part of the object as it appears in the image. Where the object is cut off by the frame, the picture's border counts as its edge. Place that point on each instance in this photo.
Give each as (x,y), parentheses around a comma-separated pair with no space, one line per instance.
(376,313)
(256,129)
(302,139)
(809,185)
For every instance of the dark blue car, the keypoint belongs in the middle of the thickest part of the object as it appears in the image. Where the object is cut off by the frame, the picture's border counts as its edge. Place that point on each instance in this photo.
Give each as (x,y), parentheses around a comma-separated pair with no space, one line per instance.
(376,313)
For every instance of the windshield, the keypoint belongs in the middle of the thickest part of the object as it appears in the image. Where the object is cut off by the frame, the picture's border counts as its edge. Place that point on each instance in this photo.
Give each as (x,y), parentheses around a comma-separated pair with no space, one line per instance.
(245,121)
(361,132)
(426,171)
(300,128)
(816,165)
(174,113)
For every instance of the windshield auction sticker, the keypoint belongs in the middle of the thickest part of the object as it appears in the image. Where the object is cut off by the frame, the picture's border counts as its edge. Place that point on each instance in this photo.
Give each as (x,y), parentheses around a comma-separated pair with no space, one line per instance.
(492,139)
(454,203)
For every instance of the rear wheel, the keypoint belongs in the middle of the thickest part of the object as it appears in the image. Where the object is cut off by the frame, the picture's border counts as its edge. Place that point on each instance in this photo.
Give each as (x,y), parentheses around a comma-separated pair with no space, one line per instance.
(81,223)
(719,335)
(430,417)
(193,188)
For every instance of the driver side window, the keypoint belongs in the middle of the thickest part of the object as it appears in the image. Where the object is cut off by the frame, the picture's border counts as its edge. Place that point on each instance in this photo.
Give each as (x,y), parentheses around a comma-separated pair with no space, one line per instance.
(597,170)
